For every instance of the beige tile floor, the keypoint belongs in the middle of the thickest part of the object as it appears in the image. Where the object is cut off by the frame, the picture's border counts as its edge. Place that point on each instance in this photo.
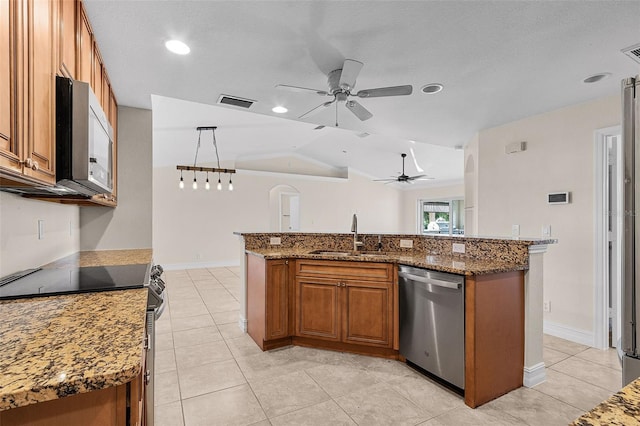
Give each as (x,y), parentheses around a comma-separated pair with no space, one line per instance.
(210,373)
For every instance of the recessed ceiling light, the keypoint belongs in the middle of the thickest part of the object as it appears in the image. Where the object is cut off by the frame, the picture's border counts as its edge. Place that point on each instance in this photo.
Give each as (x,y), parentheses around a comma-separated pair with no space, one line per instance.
(596,77)
(279,109)
(432,88)
(177,47)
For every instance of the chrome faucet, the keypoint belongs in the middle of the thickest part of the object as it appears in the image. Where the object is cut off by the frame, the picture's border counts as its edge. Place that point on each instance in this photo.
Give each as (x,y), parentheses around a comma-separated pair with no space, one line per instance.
(354,229)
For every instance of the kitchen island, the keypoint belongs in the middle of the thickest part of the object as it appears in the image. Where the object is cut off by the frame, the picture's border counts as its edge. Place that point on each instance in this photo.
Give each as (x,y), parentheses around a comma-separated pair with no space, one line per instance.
(81,354)
(622,408)
(297,271)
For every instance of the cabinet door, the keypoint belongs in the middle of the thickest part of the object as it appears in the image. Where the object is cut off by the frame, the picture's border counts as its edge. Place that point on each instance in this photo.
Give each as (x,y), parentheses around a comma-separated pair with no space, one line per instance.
(277,301)
(84,59)
(317,308)
(40,141)
(67,29)
(9,149)
(96,80)
(368,313)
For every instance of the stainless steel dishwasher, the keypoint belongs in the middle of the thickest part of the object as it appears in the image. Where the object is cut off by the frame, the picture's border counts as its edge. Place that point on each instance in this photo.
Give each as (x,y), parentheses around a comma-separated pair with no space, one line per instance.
(432,322)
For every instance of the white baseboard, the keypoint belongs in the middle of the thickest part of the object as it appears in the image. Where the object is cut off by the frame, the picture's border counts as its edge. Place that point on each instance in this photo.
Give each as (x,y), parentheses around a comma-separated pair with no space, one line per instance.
(569,333)
(242,322)
(534,375)
(198,265)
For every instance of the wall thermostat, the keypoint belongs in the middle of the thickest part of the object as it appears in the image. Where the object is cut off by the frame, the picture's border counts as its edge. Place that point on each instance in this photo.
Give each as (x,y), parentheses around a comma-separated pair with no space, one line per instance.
(559,197)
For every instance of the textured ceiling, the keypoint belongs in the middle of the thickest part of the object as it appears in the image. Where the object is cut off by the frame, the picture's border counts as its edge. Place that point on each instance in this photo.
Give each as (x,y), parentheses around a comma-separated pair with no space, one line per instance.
(498,60)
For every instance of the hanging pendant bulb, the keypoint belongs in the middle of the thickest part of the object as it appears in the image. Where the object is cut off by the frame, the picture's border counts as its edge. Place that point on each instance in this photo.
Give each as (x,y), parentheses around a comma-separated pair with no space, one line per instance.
(230,184)
(206,185)
(195,183)
(219,183)
(181,184)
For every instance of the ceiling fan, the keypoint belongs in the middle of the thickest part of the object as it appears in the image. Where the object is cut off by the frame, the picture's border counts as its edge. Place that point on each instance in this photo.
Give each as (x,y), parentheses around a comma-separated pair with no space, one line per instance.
(341,83)
(403,178)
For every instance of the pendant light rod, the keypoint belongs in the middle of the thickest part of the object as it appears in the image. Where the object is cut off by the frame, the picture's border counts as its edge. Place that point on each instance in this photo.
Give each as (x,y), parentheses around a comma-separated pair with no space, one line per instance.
(205,169)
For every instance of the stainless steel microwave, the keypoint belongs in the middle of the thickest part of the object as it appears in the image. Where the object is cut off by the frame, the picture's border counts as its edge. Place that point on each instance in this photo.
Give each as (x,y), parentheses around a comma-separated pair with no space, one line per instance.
(84,140)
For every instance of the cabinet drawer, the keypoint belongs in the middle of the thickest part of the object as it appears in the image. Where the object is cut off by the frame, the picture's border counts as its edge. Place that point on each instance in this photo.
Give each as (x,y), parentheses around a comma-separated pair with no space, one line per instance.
(345,270)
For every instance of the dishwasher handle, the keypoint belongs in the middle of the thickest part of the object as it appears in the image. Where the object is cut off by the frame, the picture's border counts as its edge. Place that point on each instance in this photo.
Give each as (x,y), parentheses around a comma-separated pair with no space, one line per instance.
(432,281)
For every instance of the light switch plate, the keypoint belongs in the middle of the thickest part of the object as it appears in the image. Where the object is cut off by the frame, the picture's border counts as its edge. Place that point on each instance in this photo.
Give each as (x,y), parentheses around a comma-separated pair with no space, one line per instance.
(546,230)
(40,229)
(458,248)
(515,230)
(406,243)
(275,241)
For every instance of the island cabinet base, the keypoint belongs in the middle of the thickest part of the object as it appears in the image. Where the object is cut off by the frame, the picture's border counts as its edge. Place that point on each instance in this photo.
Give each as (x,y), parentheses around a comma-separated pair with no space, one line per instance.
(494,336)
(104,407)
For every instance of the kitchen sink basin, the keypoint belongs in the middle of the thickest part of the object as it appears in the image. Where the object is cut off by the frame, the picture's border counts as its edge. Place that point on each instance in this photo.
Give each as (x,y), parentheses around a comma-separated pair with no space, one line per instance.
(332,253)
(347,253)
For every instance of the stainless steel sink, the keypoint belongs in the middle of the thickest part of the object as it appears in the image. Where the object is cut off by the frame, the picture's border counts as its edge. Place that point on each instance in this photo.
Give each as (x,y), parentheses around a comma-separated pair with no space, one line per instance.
(373,254)
(331,253)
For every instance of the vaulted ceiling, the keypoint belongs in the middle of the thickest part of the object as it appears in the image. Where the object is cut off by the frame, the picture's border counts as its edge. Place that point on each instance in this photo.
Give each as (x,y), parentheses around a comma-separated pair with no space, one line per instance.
(499,61)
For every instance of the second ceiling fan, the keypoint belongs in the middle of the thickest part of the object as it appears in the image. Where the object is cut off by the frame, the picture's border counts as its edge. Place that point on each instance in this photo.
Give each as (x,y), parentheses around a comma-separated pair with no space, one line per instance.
(341,83)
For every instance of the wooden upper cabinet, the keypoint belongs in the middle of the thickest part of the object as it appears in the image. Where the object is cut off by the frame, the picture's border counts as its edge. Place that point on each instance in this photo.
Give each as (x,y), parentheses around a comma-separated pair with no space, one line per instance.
(68,40)
(84,59)
(97,79)
(9,149)
(42,31)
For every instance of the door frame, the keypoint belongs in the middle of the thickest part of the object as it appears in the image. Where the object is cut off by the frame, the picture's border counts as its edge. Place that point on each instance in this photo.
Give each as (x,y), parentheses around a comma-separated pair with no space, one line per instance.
(601,238)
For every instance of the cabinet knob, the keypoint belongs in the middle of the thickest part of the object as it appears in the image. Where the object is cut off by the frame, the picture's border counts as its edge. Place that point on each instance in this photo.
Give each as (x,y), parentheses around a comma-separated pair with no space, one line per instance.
(30,163)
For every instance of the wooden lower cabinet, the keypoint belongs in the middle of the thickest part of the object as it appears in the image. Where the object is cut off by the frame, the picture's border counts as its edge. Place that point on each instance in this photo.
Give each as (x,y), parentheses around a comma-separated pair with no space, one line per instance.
(268,297)
(494,336)
(114,406)
(347,302)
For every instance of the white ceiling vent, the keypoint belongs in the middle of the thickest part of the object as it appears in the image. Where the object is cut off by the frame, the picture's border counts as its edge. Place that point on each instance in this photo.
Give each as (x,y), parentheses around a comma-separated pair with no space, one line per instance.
(235,101)
(633,52)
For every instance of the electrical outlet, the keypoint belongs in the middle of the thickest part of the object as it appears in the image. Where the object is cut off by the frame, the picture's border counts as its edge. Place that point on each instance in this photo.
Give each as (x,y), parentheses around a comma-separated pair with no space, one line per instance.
(458,248)
(40,229)
(406,243)
(546,230)
(546,306)
(275,241)
(515,230)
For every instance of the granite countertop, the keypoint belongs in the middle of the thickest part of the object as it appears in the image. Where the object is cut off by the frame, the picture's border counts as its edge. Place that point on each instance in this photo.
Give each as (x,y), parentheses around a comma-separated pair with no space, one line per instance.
(62,345)
(621,409)
(452,264)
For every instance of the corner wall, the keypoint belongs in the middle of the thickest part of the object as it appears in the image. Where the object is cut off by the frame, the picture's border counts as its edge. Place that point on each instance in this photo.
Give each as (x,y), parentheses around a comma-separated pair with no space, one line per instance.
(127,226)
(512,190)
(20,247)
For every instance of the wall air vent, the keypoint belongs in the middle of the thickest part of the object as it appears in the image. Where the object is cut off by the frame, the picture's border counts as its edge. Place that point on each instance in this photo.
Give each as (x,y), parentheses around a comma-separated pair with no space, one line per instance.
(235,101)
(633,52)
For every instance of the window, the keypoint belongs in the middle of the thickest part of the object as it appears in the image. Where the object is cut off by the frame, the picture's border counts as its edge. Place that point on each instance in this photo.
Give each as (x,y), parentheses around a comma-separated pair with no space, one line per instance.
(441,217)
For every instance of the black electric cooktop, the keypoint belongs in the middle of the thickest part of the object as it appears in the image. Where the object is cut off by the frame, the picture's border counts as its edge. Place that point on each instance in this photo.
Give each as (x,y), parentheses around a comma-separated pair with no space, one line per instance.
(48,282)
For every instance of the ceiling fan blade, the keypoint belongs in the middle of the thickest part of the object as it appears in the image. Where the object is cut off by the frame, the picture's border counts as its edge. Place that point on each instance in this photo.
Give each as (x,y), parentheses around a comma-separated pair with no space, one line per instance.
(316,109)
(416,177)
(415,161)
(425,178)
(385,180)
(385,91)
(320,127)
(301,89)
(350,71)
(361,112)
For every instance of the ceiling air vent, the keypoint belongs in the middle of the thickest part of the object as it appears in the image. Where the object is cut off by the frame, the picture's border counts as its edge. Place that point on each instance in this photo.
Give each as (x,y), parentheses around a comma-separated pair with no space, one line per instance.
(235,101)
(633,52)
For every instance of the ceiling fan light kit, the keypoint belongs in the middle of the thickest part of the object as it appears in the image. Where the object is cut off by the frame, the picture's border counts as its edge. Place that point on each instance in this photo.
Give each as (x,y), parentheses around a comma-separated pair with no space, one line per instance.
(341,83)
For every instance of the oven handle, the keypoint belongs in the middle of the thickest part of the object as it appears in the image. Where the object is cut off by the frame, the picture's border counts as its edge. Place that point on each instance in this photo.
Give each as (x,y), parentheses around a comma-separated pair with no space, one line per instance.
(432,281)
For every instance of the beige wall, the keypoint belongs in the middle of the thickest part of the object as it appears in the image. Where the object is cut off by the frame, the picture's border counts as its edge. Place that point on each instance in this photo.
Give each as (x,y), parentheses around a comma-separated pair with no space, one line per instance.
(192,228)
(129,224)
(20,247)
(512,188)
(409,209)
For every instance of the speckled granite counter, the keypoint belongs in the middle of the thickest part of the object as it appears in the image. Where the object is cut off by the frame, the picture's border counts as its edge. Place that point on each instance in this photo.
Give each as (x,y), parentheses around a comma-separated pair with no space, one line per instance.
(62,345)
(451,264)
(621,409)
(103,258)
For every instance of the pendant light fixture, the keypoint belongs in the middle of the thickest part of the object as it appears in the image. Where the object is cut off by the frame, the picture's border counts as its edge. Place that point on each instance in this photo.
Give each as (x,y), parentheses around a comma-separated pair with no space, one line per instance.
(195,167)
